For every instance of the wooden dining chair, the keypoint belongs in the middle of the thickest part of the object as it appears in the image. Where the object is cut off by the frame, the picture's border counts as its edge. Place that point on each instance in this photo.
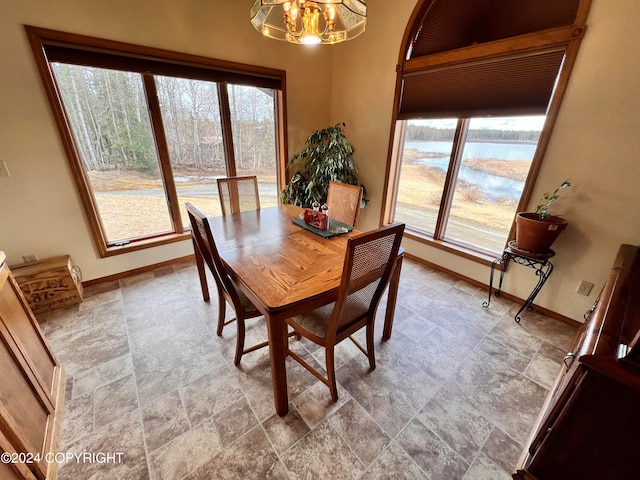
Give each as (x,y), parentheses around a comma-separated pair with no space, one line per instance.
(207,253)
(368,265)
(238,194)
(344,207)
(343,201)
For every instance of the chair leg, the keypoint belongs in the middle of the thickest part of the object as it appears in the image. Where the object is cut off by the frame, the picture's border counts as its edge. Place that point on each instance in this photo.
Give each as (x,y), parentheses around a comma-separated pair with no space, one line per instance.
(201,272)
(331,373)
(239,340)
(222,312)
(392,297)
(370,348)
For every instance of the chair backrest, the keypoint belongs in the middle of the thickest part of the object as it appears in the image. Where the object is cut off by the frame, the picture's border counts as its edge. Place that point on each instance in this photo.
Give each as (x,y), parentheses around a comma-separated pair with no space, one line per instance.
(343,201)
(203,240)
(367,268)
(238,194)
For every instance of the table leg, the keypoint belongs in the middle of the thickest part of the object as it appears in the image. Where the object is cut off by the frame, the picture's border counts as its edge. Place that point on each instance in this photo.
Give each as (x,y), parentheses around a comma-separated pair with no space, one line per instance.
(277,351)
(393,296)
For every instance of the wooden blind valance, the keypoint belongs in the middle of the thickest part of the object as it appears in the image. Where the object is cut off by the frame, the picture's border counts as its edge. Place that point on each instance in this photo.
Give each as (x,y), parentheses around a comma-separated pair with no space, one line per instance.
(155,66)
(516,85)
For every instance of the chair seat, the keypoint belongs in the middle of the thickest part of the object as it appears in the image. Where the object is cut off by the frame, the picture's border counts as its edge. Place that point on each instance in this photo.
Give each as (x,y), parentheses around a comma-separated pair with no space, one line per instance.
(247,305)
(316,321)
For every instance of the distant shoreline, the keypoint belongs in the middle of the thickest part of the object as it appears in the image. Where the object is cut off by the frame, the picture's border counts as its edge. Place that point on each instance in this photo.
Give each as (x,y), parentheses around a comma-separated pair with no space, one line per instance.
(478,141)
(502,141)
(513,169)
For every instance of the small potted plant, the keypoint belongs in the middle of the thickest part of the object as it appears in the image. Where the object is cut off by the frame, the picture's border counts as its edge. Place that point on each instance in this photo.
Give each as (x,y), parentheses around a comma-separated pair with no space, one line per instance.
(536,231)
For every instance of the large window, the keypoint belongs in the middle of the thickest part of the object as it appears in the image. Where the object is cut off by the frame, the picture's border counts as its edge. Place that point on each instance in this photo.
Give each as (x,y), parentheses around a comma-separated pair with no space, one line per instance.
(147,131)
(476,102)
(488,177)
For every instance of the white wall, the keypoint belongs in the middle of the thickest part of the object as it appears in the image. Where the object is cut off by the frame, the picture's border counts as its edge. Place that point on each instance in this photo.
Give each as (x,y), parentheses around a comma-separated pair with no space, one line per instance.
(595,142)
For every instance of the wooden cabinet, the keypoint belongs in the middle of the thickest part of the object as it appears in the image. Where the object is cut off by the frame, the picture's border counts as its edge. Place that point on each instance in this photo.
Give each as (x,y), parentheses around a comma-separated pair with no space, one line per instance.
(588,427)
(31,388)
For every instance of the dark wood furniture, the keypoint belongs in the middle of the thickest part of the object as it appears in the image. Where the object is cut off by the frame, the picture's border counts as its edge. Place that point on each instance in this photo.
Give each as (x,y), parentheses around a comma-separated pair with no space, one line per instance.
(588,427)
(368,264)
(31,389)
(284,270)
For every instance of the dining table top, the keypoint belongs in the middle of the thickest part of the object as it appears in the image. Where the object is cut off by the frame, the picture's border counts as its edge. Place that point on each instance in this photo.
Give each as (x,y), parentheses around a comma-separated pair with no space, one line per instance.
(282,267)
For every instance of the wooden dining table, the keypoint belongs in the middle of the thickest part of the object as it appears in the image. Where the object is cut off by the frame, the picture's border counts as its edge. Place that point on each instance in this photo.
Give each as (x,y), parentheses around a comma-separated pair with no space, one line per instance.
(285,270)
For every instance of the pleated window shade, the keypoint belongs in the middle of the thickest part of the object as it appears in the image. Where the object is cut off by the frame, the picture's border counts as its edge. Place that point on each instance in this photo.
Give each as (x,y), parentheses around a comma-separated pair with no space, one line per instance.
(447,25)
(501,87)
(517,84)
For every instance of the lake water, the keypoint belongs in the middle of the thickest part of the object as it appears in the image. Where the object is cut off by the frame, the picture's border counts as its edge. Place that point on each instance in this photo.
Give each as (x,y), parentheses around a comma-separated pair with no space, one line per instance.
(494,186)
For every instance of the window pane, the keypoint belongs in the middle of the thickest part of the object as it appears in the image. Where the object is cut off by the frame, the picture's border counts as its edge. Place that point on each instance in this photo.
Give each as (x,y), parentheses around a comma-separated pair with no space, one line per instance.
(110,122)
(254,137)
(497,156)
(426,154)
(191,118)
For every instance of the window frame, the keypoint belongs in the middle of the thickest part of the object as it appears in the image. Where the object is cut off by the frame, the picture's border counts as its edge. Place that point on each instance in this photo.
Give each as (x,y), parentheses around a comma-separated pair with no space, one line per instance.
(150,61)
(568,37)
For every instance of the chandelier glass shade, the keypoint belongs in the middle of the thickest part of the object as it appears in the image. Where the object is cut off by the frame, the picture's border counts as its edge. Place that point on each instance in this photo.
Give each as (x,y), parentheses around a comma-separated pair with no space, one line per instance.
(310,22)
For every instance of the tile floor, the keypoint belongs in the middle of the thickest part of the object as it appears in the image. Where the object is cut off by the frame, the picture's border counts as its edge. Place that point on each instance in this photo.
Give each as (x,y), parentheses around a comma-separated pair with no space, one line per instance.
(454,395)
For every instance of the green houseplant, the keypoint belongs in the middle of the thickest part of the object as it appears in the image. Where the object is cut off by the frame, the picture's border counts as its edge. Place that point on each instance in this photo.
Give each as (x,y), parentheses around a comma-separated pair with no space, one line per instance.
(327,156)
(536,231)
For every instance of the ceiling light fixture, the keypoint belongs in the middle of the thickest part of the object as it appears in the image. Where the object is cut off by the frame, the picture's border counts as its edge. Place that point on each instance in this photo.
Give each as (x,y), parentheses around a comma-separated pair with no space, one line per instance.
(310,22)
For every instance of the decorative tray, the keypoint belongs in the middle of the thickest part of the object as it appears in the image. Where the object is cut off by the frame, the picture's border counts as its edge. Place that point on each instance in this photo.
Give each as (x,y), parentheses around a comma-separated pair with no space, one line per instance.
(335,227)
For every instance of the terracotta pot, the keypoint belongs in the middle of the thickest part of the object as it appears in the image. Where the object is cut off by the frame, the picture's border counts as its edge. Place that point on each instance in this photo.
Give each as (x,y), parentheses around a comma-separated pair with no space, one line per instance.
(534,235)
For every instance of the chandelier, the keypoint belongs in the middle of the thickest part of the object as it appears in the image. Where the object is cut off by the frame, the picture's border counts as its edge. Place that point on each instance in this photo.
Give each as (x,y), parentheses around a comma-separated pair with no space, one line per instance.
(310,22)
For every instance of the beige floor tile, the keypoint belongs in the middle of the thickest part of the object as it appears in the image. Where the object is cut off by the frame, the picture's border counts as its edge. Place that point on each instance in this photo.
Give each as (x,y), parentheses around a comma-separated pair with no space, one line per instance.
(454,395)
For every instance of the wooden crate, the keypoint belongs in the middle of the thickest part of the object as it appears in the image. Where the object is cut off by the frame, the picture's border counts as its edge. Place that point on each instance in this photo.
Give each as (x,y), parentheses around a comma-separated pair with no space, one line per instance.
(50,283)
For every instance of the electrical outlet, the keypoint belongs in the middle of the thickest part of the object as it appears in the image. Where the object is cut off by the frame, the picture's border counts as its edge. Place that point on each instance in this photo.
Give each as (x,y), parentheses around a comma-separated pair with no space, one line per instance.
(30,258)
(584,288)
(4,171)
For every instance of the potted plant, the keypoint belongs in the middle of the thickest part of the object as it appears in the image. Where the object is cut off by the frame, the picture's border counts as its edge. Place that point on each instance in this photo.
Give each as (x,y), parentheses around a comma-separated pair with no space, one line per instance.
(536,231)
(327,156)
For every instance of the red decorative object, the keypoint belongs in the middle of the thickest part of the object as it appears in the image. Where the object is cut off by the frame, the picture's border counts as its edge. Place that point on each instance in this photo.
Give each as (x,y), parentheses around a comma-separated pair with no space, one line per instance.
(316,219)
